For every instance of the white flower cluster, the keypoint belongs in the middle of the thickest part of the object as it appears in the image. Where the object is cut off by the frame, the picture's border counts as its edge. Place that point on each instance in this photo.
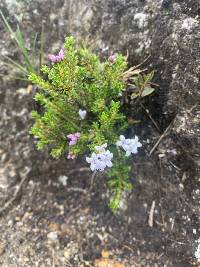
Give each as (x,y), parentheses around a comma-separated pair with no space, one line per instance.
(129,145)
(100,160)
(197,252)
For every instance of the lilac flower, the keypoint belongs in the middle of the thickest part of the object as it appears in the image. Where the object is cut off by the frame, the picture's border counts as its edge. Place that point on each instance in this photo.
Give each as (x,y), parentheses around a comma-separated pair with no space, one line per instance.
(82,114)
(77,135)
(73,138)
(71,155)
(57,58)
(129,145)
(99,161)
(112,58)
(61,54)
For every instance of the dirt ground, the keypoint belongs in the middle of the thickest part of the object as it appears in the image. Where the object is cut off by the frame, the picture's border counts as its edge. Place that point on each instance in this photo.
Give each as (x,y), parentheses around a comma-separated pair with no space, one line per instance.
(53,224)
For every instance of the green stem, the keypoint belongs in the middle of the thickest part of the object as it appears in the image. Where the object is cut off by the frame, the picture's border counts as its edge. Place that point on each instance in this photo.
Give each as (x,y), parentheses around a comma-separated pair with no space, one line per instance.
(64,117)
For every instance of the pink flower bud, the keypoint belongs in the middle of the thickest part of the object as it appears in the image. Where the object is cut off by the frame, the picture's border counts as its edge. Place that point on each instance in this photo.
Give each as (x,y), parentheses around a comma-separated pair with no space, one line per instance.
(57,58)
(112,58)
(71,155)
(73,138)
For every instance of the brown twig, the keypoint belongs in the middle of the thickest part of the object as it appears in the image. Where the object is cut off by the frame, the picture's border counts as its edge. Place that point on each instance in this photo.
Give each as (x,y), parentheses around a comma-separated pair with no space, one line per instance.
(16,193)
(145,60)
(127,55)
(161,138)
(131,72)
(151,118)
(83,169)
(134,70)
(53,258)
(192,108)
(76,189)
(151,214)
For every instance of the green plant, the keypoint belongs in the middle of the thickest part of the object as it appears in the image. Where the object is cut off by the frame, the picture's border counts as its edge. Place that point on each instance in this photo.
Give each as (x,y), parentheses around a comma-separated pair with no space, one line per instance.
(82,112)
(142,85)
(29,56)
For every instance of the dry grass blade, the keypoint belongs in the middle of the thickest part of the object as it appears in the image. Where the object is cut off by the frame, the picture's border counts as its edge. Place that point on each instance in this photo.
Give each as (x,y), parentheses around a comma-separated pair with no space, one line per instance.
(16,193)
(127,75)
(151,214)
(161,137)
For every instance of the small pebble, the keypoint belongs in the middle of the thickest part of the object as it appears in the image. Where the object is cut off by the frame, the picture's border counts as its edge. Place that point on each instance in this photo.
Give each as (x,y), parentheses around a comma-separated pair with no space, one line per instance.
(53,236)
(63,180)
(194,231)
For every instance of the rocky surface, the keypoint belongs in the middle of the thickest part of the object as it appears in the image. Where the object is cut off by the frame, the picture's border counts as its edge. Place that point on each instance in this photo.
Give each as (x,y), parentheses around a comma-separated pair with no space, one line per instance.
(167,30)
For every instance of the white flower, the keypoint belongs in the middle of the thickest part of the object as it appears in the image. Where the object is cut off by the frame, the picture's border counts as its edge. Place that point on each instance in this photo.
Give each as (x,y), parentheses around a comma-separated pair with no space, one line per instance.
(101,148)
(121,141)
(82,114)
(129,145)
(99,161)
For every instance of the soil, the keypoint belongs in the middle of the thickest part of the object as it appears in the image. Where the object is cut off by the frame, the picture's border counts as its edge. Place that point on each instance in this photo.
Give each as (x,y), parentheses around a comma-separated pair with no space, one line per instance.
(51,224)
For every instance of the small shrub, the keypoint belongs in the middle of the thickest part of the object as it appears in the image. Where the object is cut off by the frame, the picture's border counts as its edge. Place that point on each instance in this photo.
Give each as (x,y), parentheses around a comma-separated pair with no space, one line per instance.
(82,112)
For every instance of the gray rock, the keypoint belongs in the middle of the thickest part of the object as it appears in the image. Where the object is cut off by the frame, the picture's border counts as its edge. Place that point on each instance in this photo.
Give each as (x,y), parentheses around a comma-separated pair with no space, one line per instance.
(167,30)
